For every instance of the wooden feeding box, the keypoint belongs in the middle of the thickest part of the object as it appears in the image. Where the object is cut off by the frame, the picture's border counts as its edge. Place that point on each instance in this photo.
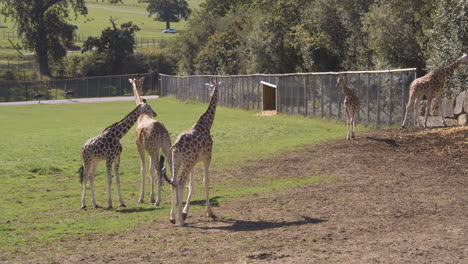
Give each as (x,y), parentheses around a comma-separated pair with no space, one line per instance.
(269,98)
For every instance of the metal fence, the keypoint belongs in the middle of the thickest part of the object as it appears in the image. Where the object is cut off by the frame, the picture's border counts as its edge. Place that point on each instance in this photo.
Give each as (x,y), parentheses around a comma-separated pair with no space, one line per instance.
(116,85)
(383,94)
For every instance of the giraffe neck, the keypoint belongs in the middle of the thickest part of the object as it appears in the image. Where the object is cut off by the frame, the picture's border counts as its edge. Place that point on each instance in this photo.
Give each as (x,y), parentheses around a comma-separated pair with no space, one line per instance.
(347,90)
(120,128)
(448,69)
(206,119)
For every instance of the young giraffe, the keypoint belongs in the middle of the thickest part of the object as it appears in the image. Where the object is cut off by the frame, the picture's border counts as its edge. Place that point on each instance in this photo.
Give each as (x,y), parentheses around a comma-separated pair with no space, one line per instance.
(351,104)
(191,147)
(106,146)
(430,85)
(151,136)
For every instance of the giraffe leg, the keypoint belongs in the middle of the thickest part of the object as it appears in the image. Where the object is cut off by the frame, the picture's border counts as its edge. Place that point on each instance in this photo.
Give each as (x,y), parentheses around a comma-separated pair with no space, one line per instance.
(154,167)
(117,180)
(348,121)
(180,192)
(408,105)
(206,182)
(109,182)
(91,174)
(85,180)
(353,124)
(141,150)
(175,181)
(428,108)
(189,196)
(417,104)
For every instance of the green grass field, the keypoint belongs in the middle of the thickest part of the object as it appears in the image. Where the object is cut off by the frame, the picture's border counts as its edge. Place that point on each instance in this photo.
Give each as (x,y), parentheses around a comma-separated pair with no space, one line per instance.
(40,154)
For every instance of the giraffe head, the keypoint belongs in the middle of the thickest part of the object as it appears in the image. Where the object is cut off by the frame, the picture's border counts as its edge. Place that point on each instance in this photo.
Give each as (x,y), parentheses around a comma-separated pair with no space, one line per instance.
(145,108)
(464,58)
(340,80)
(137,85)
(213,85)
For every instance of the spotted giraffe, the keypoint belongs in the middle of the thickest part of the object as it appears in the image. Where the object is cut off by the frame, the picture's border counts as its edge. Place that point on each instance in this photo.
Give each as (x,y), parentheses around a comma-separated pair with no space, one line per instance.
(351,104)
(106,146)
(193,146)
(430,85)
(151,137)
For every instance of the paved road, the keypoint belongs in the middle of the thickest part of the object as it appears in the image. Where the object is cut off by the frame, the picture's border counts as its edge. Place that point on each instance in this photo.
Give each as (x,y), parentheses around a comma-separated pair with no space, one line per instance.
(81,100)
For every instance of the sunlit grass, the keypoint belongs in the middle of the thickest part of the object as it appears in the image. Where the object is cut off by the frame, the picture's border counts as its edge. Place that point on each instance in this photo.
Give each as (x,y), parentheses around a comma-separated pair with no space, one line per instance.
(40,154)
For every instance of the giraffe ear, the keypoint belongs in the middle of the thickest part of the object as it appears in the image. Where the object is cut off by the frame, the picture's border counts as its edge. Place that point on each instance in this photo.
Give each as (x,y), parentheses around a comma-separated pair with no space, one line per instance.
(130,80)
(143,100)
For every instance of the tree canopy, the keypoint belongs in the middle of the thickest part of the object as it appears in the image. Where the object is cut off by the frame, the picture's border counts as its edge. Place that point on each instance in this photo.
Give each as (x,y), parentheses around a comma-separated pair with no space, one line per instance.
(168,10)
(281,36)
(44,26)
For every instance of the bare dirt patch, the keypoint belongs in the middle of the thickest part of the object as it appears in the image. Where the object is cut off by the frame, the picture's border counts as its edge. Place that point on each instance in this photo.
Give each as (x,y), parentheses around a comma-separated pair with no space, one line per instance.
(394,196)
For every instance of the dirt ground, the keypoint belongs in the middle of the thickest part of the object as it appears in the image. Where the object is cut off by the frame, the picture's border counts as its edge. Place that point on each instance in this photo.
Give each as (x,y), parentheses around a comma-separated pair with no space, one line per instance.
(394,196)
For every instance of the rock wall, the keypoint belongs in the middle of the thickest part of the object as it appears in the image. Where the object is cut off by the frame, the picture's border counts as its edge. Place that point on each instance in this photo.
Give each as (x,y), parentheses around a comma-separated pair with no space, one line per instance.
(446,112)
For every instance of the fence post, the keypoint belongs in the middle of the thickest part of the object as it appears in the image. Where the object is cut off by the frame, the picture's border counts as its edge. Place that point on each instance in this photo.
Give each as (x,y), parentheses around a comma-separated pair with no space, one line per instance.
(377,119)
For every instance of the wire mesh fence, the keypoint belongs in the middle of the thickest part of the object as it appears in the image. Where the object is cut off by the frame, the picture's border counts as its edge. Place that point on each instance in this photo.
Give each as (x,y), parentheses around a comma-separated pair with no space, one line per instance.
(104,86)
(383,94)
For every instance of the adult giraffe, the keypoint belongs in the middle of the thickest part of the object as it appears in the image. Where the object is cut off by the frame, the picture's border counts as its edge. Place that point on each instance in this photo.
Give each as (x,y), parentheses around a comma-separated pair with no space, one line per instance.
(430,85)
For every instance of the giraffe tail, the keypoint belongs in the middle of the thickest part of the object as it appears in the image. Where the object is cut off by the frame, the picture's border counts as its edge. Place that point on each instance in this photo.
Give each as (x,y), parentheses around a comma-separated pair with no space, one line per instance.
(163,169)
(81,171)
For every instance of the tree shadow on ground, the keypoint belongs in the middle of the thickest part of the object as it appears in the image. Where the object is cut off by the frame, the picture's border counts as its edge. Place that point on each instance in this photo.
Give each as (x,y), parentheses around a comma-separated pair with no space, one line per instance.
(389,141)
(242,225)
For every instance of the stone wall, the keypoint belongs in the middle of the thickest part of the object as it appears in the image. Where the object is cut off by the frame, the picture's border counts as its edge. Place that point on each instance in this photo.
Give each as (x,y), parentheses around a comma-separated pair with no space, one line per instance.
(453,111)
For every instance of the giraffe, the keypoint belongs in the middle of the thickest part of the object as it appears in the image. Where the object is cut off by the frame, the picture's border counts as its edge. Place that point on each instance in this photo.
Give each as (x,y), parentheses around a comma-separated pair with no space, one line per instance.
(106,146)
(193,146)
(430,85)
(351,104)
(151,136)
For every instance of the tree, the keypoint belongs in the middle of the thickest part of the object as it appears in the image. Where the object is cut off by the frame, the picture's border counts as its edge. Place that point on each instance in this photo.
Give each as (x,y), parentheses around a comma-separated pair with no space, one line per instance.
(168,10)
(114,45)
(448,39)
(395,30)
(43,26)
(222,7)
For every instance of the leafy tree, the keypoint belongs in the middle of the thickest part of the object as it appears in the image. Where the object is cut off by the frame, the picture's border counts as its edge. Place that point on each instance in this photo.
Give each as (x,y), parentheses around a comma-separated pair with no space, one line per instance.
(220,55)
(222,7)
(114,45)
(447,40)
(168,10)
(395,32)
(43,26)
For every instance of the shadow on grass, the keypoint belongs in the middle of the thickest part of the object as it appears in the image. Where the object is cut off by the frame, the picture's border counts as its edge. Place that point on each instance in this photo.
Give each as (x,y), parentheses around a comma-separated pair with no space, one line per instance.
(242,225)
(213,201)
(390,142)
(136,210)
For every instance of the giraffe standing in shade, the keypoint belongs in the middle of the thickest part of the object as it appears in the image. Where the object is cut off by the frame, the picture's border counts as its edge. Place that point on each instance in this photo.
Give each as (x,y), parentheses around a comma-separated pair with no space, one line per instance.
(351,104)
(106,146)
(151,136)
(191,147)
(430,85)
